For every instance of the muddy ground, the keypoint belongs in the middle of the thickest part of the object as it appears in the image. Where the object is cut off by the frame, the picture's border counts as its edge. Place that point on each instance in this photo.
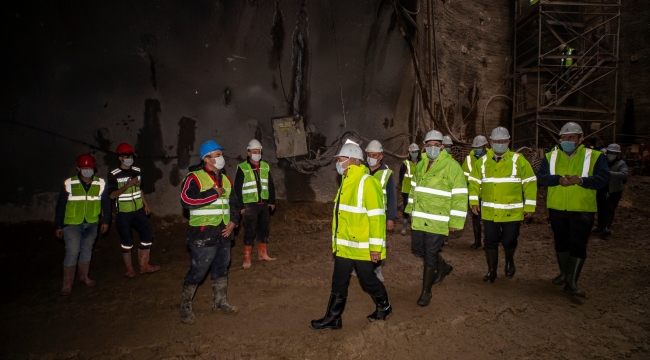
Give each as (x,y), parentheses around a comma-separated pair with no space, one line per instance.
(523,317)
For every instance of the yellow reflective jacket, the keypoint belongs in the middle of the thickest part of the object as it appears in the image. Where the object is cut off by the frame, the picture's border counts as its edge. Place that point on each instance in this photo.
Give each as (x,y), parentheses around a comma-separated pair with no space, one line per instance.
(438,197)
(507,189)
(359,218)
(468,164)
(572,198)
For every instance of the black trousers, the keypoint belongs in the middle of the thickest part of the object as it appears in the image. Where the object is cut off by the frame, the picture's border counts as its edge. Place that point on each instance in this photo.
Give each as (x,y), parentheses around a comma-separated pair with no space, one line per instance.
(476,219)
(256,223)
(571,231)
(607,204)
(427,245)
(504,233)
(125,222)
(405,201)
(365,272)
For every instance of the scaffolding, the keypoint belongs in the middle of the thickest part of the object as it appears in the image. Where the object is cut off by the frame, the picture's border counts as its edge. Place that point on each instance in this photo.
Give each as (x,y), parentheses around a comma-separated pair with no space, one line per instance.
(565,69)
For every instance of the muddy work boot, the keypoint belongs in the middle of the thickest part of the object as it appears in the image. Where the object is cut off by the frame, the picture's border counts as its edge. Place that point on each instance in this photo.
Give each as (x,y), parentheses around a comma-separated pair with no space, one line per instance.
(382,310)
(261,253)
(187,316)
(405,224)
(573,273)
(247,256)
(219,291)
(428,277)
(477,238)
(68,279)
(84,267)
(563,263)
(143,260)
(332,319)
(130,273)
(510,262)
(443,270)
(492,257)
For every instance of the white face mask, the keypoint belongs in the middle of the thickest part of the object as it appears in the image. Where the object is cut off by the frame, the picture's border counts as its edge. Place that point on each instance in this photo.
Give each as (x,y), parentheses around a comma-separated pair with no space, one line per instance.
(373,162)
(87,173)
(128,162)
(256,157)
(219,162)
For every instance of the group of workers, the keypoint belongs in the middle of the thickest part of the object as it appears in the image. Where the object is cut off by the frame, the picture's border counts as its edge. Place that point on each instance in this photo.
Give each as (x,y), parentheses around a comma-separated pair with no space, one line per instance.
(497,185)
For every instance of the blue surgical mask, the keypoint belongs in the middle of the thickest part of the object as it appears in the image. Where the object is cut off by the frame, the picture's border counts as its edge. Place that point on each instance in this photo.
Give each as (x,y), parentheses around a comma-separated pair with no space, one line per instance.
(448,150)
(433,152)
(568,146)
(478,152)
(339,167)
(414,155)
(500,148)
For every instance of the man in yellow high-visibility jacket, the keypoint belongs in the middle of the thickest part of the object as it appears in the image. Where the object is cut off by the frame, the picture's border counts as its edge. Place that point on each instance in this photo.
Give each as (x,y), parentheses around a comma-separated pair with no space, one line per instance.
(406,171)
(358,238)
(506,184)
(438,205)
(479,146)
(572,174)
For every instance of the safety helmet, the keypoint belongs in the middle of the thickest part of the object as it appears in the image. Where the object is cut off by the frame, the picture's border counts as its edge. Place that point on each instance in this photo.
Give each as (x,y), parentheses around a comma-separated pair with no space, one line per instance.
(446,140)
(254,145)
(479,141)
(500,133)
(124,149)
(433,135)
(374,147)
(414,147)
(614,148)
(350,150)
(208,147)
(571,128)
(85,161)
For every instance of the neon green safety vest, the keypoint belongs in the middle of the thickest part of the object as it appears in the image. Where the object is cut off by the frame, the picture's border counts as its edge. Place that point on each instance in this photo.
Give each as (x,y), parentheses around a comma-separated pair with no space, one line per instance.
(438,197)
(507,189)
(361,226)
(408,176)
(131,199)
(83,205)
(382,176)
(567,62)
(533,2)
(575,197)
(216,212)
(249,189)
(468,164)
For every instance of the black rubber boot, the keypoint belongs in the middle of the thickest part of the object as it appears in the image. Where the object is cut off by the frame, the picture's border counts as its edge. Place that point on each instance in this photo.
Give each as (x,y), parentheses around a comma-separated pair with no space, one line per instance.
(492,257)
(332,319)
(477,238)
(187,316)
(573,274)
(510,262)
(219,294)
(563,263)
(383,308)
(443,270)
(428,277)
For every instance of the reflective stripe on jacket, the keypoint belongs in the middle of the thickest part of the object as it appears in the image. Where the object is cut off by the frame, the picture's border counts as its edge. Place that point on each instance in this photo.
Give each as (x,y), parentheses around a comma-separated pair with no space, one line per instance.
(575,197)
(249,188)
(83,205)
(408,176)
(216,212)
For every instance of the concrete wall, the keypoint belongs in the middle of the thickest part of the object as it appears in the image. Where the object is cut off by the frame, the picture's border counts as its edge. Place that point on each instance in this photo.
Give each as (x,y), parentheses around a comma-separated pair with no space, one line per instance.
(166,76)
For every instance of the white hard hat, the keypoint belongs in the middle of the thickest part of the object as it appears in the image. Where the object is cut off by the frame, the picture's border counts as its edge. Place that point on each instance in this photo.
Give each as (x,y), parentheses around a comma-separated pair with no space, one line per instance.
(414,147)
(500,133)
(571,128)
(374,147)
(614,148)
(350,150)
(446,140)
(479,141)
(433,135)
(254,145)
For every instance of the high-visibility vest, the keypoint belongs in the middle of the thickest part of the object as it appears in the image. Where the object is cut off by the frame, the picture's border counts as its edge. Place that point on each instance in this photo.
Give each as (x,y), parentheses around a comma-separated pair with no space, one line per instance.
(359,227)
(468,164)
(131,199)
(507,189)
(408,176)
(382,176)
(533,2)
(438,197)
(567,62)
(216,212)
(249,188)
(575,197)
(83,205)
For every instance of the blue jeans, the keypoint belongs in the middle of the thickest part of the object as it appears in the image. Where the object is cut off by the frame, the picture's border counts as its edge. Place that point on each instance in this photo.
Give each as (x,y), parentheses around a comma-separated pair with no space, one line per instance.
(204,258)
(79,241)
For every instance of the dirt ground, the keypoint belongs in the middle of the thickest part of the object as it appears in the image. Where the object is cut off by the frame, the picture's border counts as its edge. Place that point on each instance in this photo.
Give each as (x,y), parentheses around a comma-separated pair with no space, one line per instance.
(523,317)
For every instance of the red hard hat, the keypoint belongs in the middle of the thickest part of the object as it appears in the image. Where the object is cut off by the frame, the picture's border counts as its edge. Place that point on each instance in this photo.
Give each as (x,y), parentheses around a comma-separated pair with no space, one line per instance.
(124,148)
(85,161)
